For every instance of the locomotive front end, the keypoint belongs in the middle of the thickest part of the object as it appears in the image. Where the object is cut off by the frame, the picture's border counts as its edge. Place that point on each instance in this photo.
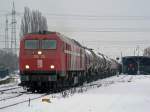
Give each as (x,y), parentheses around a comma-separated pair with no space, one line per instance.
(39,60)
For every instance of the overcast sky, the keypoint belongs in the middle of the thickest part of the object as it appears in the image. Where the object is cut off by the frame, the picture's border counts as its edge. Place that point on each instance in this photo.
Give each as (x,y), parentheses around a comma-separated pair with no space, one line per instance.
(110,26)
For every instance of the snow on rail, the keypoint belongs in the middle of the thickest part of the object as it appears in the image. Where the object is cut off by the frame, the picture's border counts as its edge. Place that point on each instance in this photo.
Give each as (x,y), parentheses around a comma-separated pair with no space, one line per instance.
(126,93)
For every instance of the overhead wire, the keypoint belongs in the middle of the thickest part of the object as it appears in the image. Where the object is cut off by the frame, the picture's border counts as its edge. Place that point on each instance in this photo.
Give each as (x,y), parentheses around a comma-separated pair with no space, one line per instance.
(99,16)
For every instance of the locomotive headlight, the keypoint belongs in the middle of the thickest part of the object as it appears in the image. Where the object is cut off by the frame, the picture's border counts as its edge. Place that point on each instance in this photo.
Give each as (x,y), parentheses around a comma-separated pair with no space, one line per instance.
(27,66)
(52,66)
(39,52)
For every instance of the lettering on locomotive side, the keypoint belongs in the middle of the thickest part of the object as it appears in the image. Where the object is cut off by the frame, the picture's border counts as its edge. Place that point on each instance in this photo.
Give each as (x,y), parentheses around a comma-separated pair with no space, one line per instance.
(72,53)
(35,56)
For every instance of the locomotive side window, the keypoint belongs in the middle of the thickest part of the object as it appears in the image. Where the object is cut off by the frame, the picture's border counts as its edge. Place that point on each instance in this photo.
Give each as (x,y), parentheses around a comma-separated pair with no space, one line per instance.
(48,44)
(31,44)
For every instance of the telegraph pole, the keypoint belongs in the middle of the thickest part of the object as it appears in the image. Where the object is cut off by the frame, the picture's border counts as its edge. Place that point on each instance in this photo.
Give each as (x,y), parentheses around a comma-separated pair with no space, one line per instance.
(138,48)
(134,52)
(138,61)
(6,35)
(13,30)
(122,63)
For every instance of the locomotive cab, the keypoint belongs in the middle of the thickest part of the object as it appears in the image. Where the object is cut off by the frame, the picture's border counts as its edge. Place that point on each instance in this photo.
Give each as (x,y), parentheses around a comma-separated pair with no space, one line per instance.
(39,57)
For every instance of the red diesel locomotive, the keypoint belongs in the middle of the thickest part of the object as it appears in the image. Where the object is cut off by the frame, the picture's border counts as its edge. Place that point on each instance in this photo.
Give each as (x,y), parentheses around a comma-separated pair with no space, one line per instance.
(50,60)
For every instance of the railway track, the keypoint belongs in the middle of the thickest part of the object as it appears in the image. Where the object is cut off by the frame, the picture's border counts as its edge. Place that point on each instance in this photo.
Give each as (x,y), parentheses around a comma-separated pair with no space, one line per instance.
(103,82)
(23,101)
(16,97)
(11,97)
(20,96)
(11,93)
(8,85)
(2,90)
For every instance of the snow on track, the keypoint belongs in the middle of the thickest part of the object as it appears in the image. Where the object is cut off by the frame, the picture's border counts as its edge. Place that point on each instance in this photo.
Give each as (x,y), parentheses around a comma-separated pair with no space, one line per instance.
(8,85)
(126,93)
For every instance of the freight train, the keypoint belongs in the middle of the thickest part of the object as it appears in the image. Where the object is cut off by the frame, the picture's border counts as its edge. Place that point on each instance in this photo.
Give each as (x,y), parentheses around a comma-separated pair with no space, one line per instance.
(50,60)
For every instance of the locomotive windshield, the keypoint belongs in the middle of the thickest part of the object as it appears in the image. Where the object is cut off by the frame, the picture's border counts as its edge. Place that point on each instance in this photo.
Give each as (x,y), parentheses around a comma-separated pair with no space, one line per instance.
(31,44)
(48,44)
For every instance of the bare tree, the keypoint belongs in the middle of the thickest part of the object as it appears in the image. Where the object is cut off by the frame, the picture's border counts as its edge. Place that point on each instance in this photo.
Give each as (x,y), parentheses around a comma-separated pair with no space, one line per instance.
(26,22)
(32,21)
(147,52)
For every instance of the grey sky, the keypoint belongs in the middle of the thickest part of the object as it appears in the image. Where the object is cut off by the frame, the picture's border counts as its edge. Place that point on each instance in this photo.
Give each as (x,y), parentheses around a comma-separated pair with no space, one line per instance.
(93,22)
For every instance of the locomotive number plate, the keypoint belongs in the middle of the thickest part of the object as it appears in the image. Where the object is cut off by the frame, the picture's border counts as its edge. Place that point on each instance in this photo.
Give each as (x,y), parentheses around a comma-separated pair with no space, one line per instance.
(39,63)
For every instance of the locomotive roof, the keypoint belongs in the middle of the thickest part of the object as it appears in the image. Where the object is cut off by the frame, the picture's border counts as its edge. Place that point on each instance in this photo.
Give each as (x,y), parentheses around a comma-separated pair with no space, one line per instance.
(61,36)
(43,32)
(68,40)
(38,33)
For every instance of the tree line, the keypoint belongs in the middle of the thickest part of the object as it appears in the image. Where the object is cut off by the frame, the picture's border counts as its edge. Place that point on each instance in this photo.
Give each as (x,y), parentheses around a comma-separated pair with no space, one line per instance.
(146,51)
(8,60)
(32,21)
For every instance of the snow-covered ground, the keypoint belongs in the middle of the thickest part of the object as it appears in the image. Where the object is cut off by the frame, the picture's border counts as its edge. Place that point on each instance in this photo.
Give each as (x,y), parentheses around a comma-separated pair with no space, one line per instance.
(114,94)
(1,79)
